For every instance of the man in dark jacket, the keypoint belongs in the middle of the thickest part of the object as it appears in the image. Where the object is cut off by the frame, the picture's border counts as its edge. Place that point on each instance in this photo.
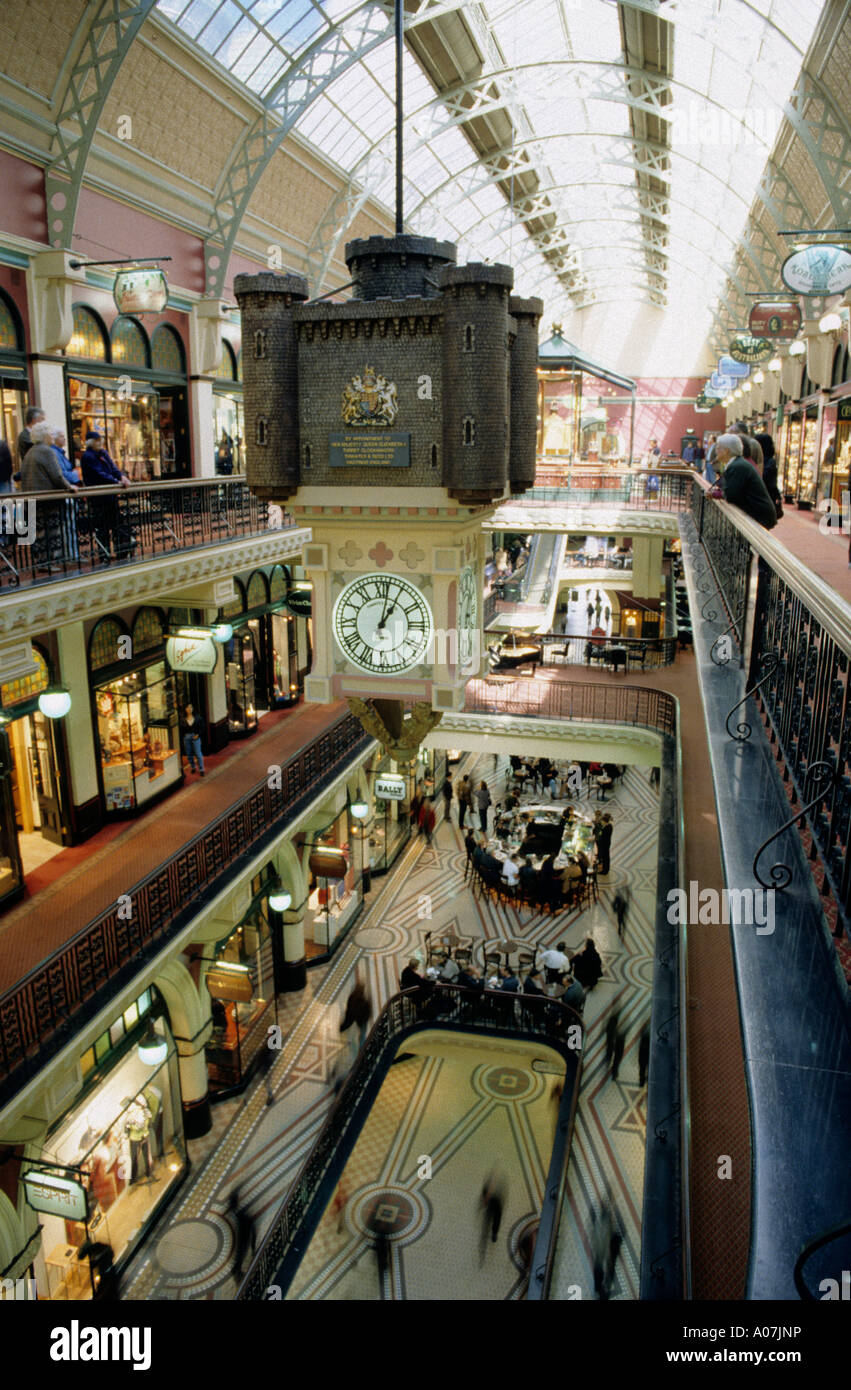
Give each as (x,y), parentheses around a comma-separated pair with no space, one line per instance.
(34,416)
(740,483)
(98,470)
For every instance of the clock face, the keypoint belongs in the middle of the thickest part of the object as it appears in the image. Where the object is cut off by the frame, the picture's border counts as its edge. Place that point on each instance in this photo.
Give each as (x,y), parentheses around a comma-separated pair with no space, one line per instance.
(468,615)
(382,624)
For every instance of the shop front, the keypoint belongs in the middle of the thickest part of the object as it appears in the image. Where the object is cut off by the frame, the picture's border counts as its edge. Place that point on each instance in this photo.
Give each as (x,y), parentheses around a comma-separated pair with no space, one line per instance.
(34,799)
(335,886)
(228,430)
(390,829)
(113,1160)
(268,655)
(135,712)
(839,474)
(241,983)
(14,388)
(791,458)
(133,391)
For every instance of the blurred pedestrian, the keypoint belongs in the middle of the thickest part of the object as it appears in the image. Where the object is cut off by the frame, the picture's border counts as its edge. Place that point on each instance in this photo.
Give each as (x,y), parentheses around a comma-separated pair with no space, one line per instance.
(427,819)
(448,793)
(338,1205)
(244,1232)
(358,1010)
(606,1242)
(491,1204)
(643,1056)
(620,904)
(265,1065)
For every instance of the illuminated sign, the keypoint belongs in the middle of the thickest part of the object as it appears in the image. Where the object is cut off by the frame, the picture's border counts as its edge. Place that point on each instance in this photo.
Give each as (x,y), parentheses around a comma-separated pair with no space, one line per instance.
(390,788)
(192,654)
(48,1192)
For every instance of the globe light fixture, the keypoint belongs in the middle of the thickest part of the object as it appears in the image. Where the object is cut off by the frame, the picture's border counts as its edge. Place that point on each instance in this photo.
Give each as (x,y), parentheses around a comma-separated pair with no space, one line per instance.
(55,701)
(153,1048)
(279,898)
(759,378)
(222,632)
(360,810)
(775,364)
(830,323)
(798,348)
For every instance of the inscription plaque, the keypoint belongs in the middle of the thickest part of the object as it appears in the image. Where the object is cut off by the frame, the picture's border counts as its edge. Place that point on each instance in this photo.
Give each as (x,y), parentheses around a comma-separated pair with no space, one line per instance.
(370,449)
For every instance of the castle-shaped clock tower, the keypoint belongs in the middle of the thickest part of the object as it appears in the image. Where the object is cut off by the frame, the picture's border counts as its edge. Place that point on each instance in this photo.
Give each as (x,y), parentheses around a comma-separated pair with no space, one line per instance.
(392,424)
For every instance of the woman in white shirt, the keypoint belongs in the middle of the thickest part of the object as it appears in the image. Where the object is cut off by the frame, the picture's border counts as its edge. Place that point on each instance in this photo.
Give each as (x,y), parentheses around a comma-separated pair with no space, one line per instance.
(511,872)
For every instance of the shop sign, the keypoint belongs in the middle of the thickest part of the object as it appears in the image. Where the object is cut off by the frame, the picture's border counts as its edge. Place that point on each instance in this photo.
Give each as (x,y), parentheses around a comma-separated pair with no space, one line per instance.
(192,654)
(821,269)
(59,1196)
(390,788)
(843,411)
(714,392)
(300,602)
(746,348)
(775,320)
(728,366)
(233,985)
(721,384)
(328,863)
(142,290)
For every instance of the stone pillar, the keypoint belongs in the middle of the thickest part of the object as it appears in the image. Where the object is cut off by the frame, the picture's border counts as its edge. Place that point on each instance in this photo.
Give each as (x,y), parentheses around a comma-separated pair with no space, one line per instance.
(293,969)
(194,1087)
(77,724)
(203,428)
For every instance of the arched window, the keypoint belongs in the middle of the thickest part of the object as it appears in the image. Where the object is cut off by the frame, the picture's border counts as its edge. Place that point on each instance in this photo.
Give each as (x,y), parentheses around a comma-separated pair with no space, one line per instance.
(469,430)
(27,687)
(89,338)
(469,337)
(167,353)
(257,593)
(236,605)
(11,337)
(148,630)
(260,342)
(103,642)
(226,369)
(129,342)
(277,584)
(262,430)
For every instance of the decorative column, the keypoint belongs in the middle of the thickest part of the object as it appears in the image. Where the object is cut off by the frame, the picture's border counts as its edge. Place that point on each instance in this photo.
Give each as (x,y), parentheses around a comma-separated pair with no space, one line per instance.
(206,345)
(77,727)
(52,287)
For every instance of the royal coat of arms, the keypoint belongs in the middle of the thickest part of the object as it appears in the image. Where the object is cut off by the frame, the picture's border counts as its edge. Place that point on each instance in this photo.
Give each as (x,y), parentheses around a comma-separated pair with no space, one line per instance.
(370,399)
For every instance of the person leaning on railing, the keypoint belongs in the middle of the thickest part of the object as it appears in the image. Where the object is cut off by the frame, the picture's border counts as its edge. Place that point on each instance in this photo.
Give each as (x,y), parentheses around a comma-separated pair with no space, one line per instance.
(740,484)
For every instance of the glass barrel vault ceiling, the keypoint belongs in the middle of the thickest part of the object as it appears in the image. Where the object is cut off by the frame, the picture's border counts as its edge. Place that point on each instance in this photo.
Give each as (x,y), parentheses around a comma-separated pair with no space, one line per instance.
(557,70)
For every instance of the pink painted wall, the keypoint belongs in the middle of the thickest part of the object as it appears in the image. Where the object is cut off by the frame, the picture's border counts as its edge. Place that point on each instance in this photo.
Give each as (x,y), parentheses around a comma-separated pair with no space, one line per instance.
(23,211)
(107,229)
(663,410)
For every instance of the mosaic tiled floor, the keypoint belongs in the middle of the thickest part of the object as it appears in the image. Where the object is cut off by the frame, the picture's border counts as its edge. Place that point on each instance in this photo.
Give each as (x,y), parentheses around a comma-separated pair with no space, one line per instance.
(262,1148)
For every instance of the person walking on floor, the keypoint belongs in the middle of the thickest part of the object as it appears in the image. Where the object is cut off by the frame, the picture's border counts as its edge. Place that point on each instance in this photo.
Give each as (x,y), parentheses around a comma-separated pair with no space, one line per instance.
(606,1242)
(265,1065)
(491,1205)
(448,791)
(465,799)
(244,1232)
(643,1056)
(193,732)
(427,819)
(620,904)
(483,801)
(358,1010)
(603,839)
(654,777)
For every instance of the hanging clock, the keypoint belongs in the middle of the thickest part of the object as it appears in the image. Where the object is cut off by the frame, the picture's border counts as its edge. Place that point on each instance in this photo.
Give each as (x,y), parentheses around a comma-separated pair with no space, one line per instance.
(382,624)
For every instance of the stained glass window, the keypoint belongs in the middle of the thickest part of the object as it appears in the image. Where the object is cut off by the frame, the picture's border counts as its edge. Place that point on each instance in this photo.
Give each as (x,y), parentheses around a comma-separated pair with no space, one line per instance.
(129,342)
(148,629)
(89,339)
(227,367)
(277,583)
(8,327)
(257,593)
(237,605)
(26,687)
(103,643)
(167,351)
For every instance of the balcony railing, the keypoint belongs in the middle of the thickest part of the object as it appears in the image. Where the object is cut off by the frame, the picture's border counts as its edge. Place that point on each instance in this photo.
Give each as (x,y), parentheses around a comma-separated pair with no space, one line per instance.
(607,704)
(41,1012)
(45,536)
(659,490)
(283,1248)
(617,653)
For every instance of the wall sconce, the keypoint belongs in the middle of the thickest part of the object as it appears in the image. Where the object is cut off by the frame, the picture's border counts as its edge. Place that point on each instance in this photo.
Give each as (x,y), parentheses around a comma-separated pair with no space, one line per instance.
(798,348)
(830,323)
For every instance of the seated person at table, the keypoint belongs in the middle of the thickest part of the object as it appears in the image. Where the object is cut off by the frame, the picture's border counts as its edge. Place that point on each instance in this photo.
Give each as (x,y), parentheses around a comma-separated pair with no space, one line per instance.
(409,979)
(516,762)
(508,981)
(528,875)
(478,853)
(555,962)
(502,823)
(511,802)
(448,969)
(584,863)
(586,965)
(533,983)
(470,978)
(470,842)
(568,820)
(570,877)
(490,864)
(511,871)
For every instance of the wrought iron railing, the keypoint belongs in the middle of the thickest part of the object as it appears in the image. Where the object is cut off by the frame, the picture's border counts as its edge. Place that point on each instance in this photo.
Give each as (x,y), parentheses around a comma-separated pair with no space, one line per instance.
(283,1248)
(797,654)
(631,653)
(651,490)
(45,536)
(45,1008)
(608,704)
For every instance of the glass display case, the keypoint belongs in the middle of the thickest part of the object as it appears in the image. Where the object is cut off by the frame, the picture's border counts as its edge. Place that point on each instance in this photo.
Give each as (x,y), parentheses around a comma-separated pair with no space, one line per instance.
(139,736)
(842,450)
(791,457)
(241,982)
(809,461)
(242,700)
(131,426)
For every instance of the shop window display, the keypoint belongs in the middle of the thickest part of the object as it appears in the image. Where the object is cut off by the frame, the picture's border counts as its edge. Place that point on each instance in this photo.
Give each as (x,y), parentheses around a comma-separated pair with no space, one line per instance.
(124,1143)
(241,983)
(138,732)
(242,705)
(130,425)
(335,890)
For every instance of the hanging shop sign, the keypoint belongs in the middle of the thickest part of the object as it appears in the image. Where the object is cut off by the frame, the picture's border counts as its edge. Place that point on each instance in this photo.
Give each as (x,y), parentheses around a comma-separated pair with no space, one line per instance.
(328,863)
(704,402)
(713,392)
(746,348)
(50,1192)
(721,384)
(728,366)
(775,320)
(142,290)
(232,985)
(192,654)
(300,602)
(820,269)
(390,788)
